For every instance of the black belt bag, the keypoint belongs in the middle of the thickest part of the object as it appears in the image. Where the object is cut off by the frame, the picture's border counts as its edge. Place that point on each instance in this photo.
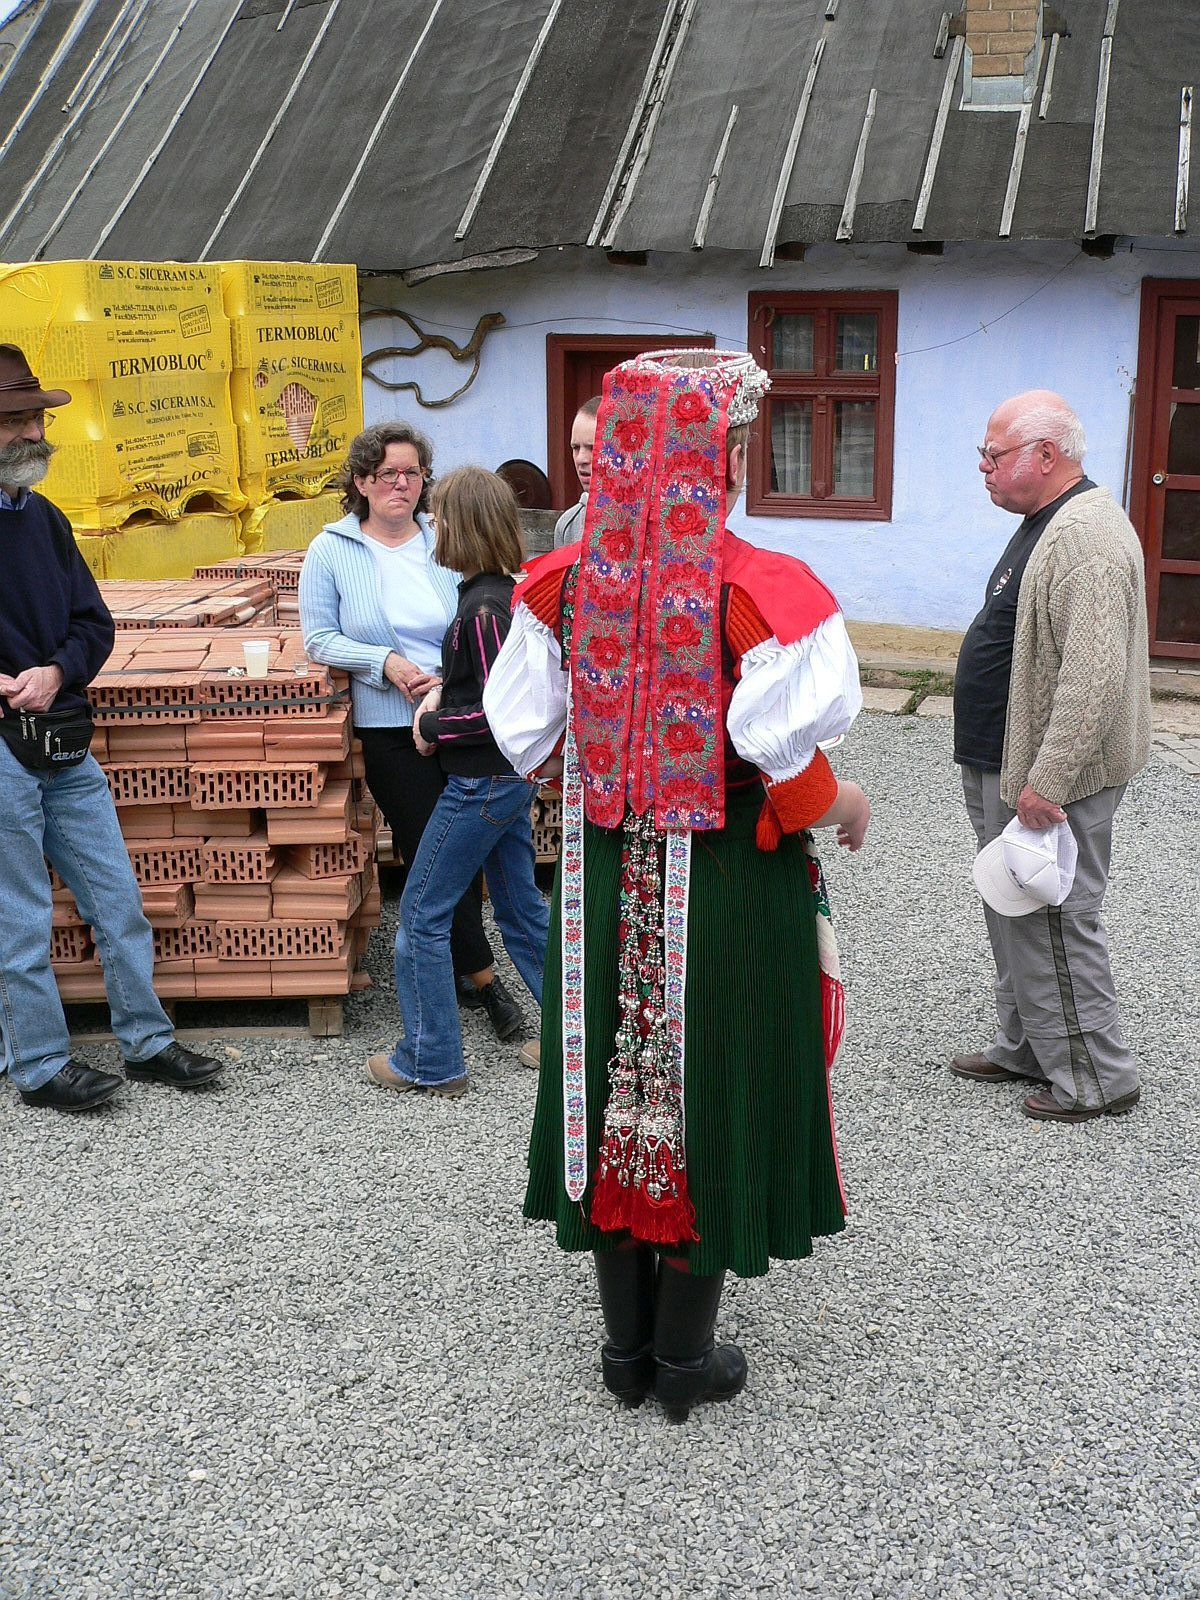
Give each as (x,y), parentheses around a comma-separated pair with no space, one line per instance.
(47,741)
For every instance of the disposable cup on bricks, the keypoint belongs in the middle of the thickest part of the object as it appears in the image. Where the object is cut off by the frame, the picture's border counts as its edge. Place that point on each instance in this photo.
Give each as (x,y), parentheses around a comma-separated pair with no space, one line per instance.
(256,652)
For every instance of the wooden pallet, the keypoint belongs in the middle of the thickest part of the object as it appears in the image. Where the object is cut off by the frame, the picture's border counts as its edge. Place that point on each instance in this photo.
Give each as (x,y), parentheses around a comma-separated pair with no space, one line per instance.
(326,1020)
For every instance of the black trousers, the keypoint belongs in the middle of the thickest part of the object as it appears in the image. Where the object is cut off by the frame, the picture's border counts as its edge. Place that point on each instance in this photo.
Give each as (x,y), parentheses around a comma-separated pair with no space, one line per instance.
(406,786)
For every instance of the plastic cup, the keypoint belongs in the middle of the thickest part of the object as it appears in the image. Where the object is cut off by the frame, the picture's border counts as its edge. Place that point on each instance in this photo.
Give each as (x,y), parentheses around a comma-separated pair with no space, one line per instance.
(256,653)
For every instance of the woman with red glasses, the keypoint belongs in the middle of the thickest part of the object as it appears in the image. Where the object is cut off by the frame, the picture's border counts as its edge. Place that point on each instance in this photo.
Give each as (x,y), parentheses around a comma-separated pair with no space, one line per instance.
(375,602)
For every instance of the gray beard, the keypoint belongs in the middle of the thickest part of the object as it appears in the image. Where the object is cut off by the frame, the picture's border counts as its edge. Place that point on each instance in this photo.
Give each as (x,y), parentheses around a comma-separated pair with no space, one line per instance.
(23,465)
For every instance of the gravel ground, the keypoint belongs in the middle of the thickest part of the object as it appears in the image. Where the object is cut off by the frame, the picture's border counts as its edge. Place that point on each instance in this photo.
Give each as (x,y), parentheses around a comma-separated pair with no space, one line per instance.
(292,1337)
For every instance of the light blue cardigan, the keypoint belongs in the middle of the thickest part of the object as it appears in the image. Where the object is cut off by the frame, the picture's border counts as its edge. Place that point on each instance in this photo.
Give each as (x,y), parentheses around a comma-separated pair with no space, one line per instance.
(344,623)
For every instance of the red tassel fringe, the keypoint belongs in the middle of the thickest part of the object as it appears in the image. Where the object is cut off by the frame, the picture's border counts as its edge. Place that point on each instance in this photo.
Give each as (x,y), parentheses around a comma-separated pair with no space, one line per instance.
(620,1208)
(767,832)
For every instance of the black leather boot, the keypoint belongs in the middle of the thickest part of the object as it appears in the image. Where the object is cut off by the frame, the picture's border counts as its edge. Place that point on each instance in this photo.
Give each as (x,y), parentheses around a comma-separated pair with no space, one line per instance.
(626,1280)
(689,1369)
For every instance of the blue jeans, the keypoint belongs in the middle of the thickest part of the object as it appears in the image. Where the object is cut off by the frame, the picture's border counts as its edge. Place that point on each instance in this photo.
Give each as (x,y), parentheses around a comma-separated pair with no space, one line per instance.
(69,817)
(477,822)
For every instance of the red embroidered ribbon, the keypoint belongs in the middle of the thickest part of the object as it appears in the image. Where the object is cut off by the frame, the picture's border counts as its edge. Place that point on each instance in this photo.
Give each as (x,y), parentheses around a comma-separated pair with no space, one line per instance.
(646,650)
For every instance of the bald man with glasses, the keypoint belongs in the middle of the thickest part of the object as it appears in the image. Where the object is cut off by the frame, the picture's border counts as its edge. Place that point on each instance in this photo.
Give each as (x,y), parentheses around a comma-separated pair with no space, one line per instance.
(1051,720)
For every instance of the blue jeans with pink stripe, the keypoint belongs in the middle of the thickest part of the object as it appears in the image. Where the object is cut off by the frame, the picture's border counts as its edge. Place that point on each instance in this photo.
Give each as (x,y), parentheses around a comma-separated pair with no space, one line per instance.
(477,823)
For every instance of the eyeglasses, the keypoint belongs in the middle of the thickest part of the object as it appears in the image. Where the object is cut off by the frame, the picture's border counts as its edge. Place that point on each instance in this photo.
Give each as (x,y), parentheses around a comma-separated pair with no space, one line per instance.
(391,475)
(22,419)
(991,457)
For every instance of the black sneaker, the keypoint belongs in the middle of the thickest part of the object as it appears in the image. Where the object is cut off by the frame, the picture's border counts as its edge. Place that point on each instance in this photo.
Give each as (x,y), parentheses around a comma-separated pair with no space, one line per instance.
(504,1013)
(469,997)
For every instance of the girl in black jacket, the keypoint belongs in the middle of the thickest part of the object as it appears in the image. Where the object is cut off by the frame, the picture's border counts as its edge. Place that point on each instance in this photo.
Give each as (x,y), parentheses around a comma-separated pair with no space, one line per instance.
(482,818)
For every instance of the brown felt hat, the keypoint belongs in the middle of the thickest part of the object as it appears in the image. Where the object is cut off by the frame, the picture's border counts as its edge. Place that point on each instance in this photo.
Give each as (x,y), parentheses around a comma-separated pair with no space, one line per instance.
(19,389)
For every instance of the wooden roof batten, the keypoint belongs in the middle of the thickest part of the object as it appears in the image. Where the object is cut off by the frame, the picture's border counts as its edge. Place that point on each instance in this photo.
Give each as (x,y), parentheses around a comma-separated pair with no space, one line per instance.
(273,126)
(1017,165)
(160,143)
(1183,171)
(949,82)
(78,102)
(376,132)
(714,182)
(493,155)
(65,45)
(767,257)
(635,147)
(1097,161)
(845,227)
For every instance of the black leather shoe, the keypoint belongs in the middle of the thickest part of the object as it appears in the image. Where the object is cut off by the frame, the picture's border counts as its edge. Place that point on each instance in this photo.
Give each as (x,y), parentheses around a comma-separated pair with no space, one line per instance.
(74,1087)
(504,1013)
(181,1068)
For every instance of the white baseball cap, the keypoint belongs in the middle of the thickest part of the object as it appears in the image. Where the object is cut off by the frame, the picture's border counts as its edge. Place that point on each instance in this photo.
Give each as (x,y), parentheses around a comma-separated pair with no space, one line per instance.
(1024,869)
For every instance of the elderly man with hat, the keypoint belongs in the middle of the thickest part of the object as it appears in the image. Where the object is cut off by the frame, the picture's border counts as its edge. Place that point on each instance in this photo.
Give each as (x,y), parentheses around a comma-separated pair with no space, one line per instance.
(1051,720)
(55,635)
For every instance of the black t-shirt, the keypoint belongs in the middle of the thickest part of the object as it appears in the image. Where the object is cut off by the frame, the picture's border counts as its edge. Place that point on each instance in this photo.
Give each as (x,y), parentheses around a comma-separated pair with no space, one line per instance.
(985,660)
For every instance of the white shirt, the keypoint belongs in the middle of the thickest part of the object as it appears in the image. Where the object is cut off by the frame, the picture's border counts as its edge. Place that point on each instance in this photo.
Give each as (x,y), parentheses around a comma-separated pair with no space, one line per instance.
(411,604)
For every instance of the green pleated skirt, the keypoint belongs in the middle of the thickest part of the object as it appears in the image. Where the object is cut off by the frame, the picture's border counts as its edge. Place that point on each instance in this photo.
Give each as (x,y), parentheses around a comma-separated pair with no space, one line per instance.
(761,1163)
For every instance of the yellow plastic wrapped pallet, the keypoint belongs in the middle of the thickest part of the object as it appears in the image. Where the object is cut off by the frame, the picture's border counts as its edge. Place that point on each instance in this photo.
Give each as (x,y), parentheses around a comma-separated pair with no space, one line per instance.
(144,349)
(150,442)
(288,524)
(274,288)
(149,549)
(103,319)
(297,381)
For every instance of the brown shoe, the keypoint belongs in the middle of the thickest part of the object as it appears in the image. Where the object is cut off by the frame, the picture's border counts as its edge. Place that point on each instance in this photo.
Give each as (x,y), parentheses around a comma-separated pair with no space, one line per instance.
(985,1071)
(452,1089)
(381,1072)
(530,1054)
(1043,1107)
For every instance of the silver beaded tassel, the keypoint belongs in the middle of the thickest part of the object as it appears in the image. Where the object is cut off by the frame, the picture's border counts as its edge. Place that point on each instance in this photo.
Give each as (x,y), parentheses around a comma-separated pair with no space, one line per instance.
(642,1143)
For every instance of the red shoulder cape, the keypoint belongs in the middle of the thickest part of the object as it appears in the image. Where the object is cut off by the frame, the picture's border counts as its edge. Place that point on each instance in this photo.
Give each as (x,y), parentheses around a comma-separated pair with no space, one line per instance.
(792,599)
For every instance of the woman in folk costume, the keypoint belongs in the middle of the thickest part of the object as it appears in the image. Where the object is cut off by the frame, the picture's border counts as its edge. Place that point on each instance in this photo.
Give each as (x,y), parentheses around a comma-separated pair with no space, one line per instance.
(691,1004)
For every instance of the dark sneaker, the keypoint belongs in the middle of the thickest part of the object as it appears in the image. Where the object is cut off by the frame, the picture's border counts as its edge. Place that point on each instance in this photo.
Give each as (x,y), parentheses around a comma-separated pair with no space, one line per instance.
(469,997)
(504,1013)
(74,1087)
(178,1066)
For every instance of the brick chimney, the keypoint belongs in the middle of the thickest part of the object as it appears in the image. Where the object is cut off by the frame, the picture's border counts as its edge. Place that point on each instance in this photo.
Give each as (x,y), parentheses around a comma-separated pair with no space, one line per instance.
(1001,40)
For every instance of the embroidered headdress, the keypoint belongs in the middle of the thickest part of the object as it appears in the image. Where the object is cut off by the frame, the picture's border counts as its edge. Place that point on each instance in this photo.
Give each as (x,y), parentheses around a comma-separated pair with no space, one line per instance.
(645,649)
(645,751)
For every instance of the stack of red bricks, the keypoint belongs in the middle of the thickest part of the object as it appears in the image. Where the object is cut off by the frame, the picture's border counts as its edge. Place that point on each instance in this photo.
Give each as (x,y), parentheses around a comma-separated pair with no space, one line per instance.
(278,568)
(242,801)
(190,603)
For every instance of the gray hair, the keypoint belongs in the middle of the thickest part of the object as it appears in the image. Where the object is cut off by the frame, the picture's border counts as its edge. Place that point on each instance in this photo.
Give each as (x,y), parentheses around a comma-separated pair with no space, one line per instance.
(1057,423)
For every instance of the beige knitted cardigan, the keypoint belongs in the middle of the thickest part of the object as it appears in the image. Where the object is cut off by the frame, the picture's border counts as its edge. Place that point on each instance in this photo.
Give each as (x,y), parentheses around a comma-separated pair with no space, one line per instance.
(1079,694)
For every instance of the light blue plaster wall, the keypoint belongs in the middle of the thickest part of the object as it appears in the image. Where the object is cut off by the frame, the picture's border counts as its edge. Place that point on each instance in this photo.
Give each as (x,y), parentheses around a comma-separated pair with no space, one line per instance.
(975,325)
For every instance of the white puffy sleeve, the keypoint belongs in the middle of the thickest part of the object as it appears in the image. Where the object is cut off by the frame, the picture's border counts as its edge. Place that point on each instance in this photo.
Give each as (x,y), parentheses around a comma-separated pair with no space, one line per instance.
(525,696)
(792,698)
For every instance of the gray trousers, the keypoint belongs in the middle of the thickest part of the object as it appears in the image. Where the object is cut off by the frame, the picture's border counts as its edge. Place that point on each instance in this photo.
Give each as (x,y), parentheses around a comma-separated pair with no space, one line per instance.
(1056,1008)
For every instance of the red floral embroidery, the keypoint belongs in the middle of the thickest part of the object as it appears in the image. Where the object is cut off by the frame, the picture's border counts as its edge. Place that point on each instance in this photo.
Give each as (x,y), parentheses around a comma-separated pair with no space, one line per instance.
(688,464)
(691,407)
(618,544)
(631,435)
(680,633)
(624,491)
(600,755)
(685,521)
(606,651)
(683,739)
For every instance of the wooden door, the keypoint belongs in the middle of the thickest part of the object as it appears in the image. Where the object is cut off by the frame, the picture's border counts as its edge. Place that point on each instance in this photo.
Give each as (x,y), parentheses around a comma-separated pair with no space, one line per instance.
(575,367)
(1165,500)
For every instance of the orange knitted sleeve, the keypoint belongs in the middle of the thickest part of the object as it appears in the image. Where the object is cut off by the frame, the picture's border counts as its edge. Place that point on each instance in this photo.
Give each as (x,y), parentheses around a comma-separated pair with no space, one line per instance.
(543,596)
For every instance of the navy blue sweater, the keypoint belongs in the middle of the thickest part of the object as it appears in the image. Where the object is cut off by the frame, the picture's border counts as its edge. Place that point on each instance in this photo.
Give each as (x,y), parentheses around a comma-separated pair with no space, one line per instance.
(51,613)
